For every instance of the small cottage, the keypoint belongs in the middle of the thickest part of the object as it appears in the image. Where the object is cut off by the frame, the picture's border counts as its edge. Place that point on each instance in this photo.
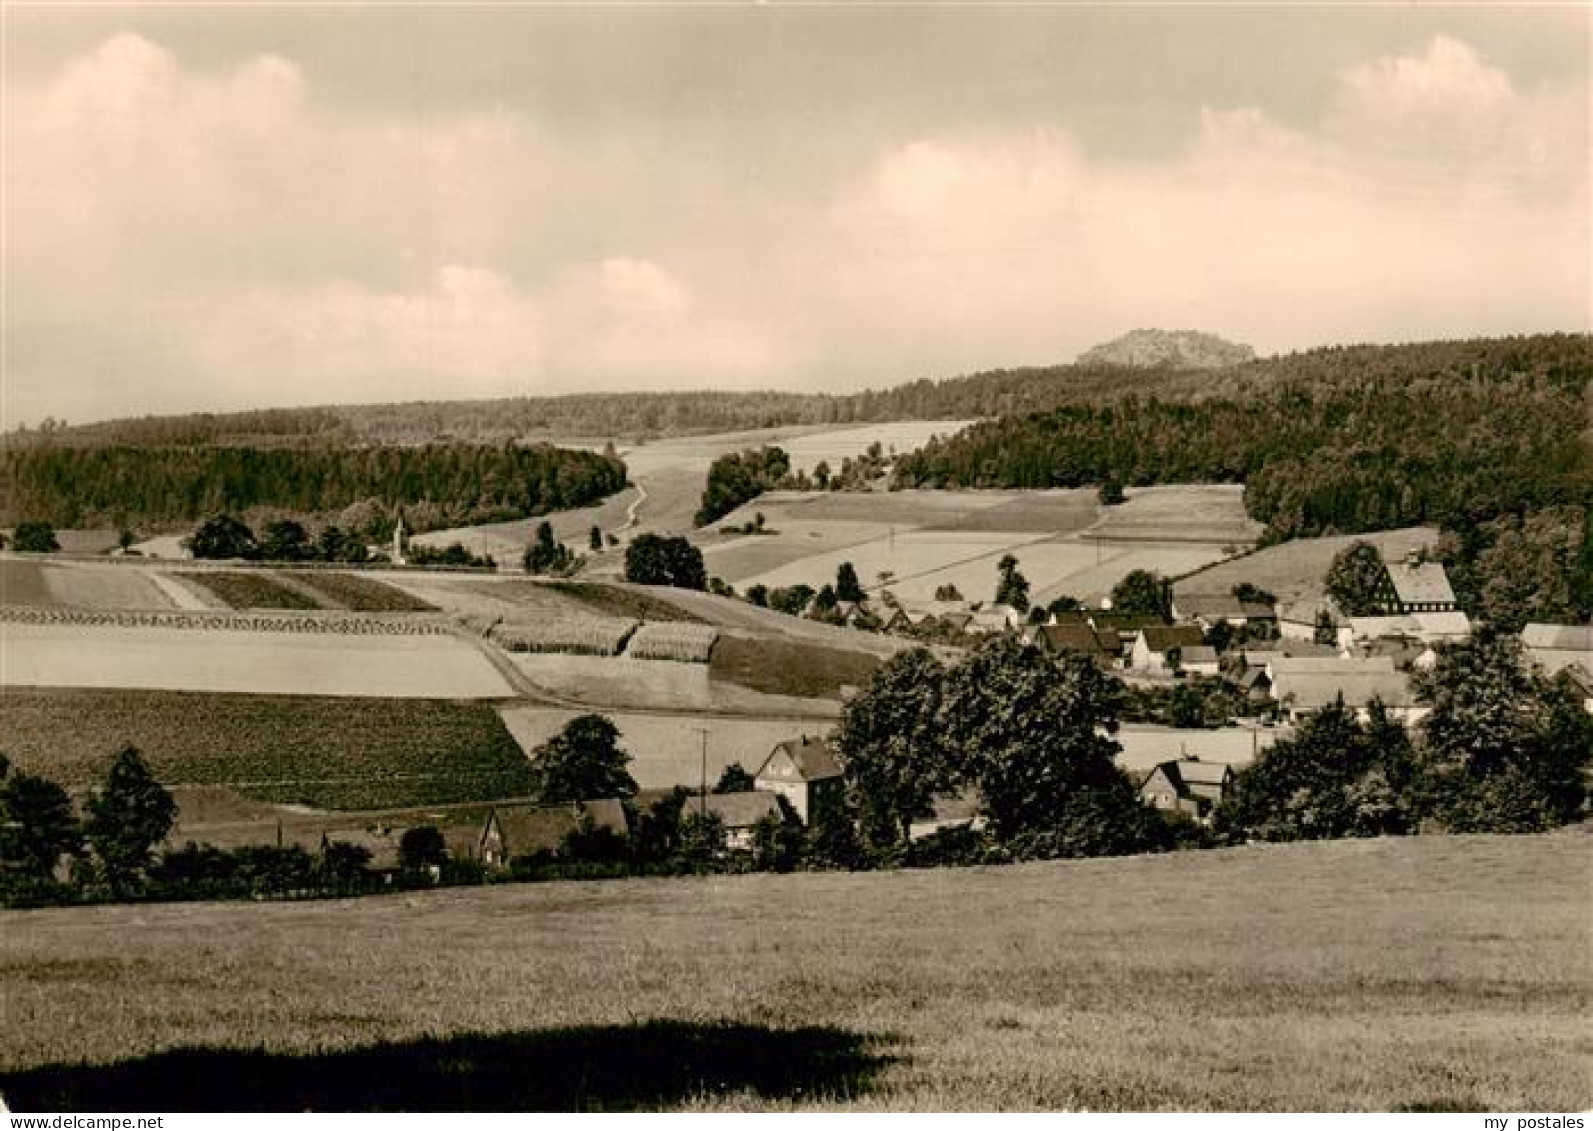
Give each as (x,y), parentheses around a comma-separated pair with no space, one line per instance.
(1187,785)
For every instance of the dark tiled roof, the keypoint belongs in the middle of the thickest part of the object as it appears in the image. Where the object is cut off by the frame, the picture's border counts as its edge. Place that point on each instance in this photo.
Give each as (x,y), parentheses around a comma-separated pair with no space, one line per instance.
(1161,637)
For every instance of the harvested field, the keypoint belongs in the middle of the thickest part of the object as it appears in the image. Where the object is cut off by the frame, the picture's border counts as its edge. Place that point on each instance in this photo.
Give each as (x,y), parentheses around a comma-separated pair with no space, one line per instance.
(789,667)
(1436,973)
(909,556)
(614,601)
(582,636)
(737,558)
(506,541)
(1295,571)
(362,594)
(78,585)
(22,583)
(1181,513)
(84,586)
(683,643)
(334,753)
(244,589)
(624,681)
(667,750)
(177,659)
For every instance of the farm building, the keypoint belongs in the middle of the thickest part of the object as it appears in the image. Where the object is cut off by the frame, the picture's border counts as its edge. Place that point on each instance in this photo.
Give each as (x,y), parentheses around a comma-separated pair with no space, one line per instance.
(1076,639)
(1415,586)
(1357,682)
(993,619)
(1155,645)
(803,771)
(738,812)
(1554,647)
(522,829)
(1187,785)
(1199,660)
(1428,628)
(1297,621)
(1211,609)
(1127,626)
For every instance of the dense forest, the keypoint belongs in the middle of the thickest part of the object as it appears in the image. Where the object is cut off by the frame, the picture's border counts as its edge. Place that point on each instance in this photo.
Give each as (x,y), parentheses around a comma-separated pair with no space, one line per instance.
(435,485)
(1335,441)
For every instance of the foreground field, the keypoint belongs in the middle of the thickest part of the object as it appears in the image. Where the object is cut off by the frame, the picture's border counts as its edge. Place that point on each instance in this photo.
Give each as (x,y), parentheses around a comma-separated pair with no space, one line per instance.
(333,753)
(1429,973)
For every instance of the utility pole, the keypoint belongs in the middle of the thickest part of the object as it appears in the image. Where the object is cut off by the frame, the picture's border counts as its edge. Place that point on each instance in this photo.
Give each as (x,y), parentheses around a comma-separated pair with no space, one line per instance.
(702,802)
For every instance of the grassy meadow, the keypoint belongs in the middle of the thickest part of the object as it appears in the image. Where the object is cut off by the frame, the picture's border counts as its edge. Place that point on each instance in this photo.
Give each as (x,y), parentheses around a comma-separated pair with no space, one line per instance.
(1436,973)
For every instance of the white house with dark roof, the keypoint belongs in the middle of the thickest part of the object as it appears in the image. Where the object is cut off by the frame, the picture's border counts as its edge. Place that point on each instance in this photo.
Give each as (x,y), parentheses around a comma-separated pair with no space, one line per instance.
(1154,645)
(803,771)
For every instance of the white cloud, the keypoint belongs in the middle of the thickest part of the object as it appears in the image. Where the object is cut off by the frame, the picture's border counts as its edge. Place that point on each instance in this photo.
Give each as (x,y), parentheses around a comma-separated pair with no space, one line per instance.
(227,238)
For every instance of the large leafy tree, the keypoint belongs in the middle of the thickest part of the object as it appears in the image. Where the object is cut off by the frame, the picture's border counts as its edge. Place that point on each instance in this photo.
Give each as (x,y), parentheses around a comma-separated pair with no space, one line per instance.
(223,536)
(1504,749)
(847,586)
(1030,731)
(652,559)
(582,761)
(1334,777)
(34,537)
(1142,592)
(891,746)
(1354,578)
(37,824)
(1012,588)
(127,818)
(546,554)
(285,541)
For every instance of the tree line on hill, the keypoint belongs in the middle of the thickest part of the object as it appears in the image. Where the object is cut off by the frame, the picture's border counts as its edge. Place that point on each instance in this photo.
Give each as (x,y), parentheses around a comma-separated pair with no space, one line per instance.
(435,486)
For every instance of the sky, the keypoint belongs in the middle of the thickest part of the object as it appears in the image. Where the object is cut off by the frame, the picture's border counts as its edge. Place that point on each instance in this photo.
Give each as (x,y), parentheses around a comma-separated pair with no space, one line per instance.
(213,207)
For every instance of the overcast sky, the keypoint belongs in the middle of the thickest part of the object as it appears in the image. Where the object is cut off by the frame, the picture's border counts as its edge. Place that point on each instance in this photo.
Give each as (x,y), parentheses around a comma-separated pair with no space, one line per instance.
(214,208)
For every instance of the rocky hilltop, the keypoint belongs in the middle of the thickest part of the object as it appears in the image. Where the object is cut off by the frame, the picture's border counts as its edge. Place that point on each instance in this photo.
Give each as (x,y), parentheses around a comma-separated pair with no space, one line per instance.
(1168,349)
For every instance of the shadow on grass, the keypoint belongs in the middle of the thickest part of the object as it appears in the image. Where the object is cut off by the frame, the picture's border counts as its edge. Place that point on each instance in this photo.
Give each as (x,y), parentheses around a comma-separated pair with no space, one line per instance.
(588,1068)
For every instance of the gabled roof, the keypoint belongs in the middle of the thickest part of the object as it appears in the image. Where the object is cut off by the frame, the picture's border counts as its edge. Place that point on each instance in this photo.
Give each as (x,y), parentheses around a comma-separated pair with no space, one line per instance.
(528,828)
(1309,691)
(811,758)
(1210,605)
(1199,654)
(1563,637)
(1451,625)
(1129,623)
(1079,638)
(1421,583)
(1191,777)
(1333,664)
(1161,637)
(737,810)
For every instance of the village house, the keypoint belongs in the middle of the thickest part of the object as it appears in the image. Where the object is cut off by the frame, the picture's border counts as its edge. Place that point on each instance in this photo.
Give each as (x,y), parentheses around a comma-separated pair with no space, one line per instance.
(803,771)
(1301,691)
(1297,620)
(1157,647)
(1126,626)
(522,829)
(1075,638)
(1200,660)
(1428,628)
(992,619)
(1211,609)
(1554,647)
(1415,586)
(739,813)
(1187,785)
